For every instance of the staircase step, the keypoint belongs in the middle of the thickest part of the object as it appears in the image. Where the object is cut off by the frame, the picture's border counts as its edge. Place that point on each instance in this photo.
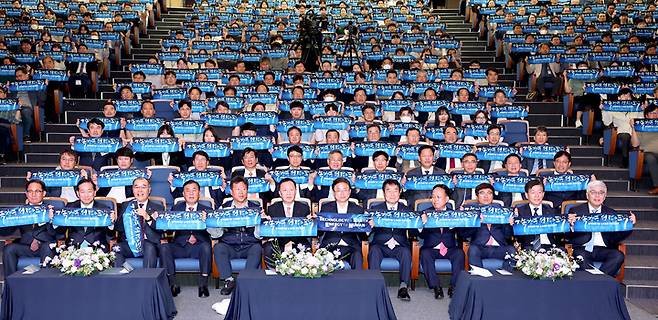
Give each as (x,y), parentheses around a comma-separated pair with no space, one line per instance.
(57,137)
(641,289)
(48,157)
(621,199)
(648,305)
(604,173)
(645,230)
(12,195)
(587,161)
(641,267)
(12,182)
(641,247)
(45,147)
(21,169)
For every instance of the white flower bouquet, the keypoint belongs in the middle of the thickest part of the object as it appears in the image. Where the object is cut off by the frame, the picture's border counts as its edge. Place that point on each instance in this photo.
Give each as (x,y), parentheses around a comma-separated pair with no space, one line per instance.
(80,261)
(301,262)
(552,264)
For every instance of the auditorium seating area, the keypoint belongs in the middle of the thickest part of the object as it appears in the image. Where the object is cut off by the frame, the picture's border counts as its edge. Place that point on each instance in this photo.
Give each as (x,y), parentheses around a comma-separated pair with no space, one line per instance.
(521,64)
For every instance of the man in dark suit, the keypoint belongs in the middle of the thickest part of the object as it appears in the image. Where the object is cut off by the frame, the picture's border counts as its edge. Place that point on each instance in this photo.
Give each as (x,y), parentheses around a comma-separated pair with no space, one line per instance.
(597,246)
(450,136)
(426,159)
(413,137)
(349,244)
(85,236)
(512,166)
(534,165)
(264,158)
(380,164)
(145,212)
(81,74)
(562,164)
(493,139)
(469,163)
(441,243)
(392,243)
(96,160)
(489,240)
(194,244)
(373,135)
(534,191)
(286,208)
(295,161)
(200,161)
(124,160)
(68,160)
(335,162)
(35,239)
(249,158)
(239,242)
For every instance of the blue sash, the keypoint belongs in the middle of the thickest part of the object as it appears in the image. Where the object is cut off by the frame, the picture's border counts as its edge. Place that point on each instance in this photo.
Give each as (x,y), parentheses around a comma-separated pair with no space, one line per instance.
(288,227)
(510,112)
(338,222)
(300,176)
(430,105)
(332,122)
(255,142)
(466,108)
(155,145)
(375,180)
(304,125)
(133,229)
(50,75)
(222,119)
(280,151)
(213,149)
(23,216)
(323,150)
(326,177)
(188,126)
(496,215)
(233,217)
(260,118)
(128,105)
(396,219)
(144,124)
(566,182)
(119,178)
(103,145)
(366,149)
(452,219)
(621,106)
(540,151)
(58,178)
(408,152)
(470,181)
(512,184)
(8,105)
(27,86)
(540,225)
(603,223)
(453,150)
(494,153)
(180,220)
(203,178)
(428,181)
(82,217)
(646,125)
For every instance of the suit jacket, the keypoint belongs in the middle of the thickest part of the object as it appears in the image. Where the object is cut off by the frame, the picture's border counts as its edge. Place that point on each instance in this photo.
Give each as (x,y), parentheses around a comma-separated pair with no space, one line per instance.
(182,236)
(529,163)
(152,235)
(611,239)
(353,239)
(43,233)
(95,160)
(557,197)
(502,233)
(507,197)
(175,158)
(433,236)
(72,67)
(414,195)
(79,234)
(215,192)
(240,235)
(555,238)
(442,163)
(382,235)
(299,210)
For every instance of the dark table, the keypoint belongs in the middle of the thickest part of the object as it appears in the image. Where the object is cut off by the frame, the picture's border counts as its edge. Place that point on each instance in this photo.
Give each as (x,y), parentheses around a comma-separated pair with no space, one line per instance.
(345,294)
(585,296)
(49,294)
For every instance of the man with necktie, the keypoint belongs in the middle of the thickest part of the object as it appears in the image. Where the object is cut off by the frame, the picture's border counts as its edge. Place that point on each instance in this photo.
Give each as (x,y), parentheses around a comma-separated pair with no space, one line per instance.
(412,137)
(597,246)
(426,168)
(96,160)
(562,164)
(469,165)
(380,165)
(450,136)
(86,236)
(534,165)
(534,191)
(124,160)
(200,162)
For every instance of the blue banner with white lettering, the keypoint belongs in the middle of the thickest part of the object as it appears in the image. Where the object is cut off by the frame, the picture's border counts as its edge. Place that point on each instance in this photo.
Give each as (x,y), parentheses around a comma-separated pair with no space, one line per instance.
(428,181)
(452,219)
(117,178)
(254,142)
(222,119)
(325,177)
(128,105)
(466,108)
(618,71)
(213,149)
(540,225)
(58,178)
(621,106)
(332,122)
(477,130)
(280,151)
(133,229)
(302,124)
(566,182)
(260,118)
(102,145)
(375,180)
(326,83)
(455,85)
(180,220)
(509,112)
(170,94)
(256,185)
(188,126)
(111,124)
(27,86)
(203,178)
(541,58)
(512,184)
(23,216)
(400,128)
(367,148)
(323,150)
(288,227)
(582,74)
(495,214)
(339,222)
(144,124)
(408,152)
(82,217)
(470,181)
(603,223)
(233,217)
(646,125)
(50,75)
(300,176)
(602,88)
(395,105)
(430,105)
(155,145)
(396,219)
(8,105)
(494,153)
(80,57)
(147,69)
(453,150)
(540,151)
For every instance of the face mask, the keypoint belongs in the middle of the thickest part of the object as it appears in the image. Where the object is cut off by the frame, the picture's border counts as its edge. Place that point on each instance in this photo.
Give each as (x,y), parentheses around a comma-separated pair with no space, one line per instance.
(386,66)
(615,29)
(543,31)
(329,98)
(94,37)
(405,119)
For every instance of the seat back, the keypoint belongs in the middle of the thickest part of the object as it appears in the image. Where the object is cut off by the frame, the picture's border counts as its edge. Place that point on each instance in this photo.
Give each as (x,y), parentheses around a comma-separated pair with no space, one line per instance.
(57,203)
(609,141)
(515,131)
(568,205)
(160,186)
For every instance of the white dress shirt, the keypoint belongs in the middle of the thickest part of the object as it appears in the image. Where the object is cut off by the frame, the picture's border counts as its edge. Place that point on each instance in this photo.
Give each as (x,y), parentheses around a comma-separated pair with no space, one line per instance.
(543,238)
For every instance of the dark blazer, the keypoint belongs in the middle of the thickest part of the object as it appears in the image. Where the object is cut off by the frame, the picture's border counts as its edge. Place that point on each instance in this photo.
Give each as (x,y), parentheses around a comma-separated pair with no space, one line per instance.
(555,238)
(182,236)
(442,163)
(433,236)
(353,239)
(611,239)
(72,67)
(95,160)
(152,235)
(414,195)
(175,158)
(502,233)
(43,233)
(506,197)
(557,197)
(529,163)
(382,235)
(299,210)
(79,234)
(240,235)
(241,172)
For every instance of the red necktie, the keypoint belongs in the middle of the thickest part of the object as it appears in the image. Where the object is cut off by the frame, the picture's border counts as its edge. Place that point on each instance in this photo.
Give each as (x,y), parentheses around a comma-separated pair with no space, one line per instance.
(452,163)
(192,239)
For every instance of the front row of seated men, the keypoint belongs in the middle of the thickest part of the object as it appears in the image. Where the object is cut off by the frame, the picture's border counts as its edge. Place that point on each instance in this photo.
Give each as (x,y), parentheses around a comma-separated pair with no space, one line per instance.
(486,241)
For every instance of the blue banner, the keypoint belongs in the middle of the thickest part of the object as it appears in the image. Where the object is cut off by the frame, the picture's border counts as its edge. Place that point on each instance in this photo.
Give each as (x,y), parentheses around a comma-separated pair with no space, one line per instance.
(582,74)
(179,220)
(188,126)
(118,178)
(477,130)
(82,217)
(23,216)
(603,223)
(540,151)
(540,225)
(203,178)
(332,122)
(155,145)
(170,94)
(453,150)
(326,83)
(300,176)
(436,133)
(466,108)
(395,105)
(222,119)
(133,229)
(360,130)
(144,124)
(128,105)
(323,150)
(80,57)
(213,149)
(566,182)
(408,152)
(280,151)
(288,227)
(452,219)
(621,106)
(396,219)
(366,149)
(542,58)
(496,215)
(455,85)
(137,87)
(509,112)
(512,184)
(618,71)
(256,185)
(8,105)
(103,145)
(147,69)
(50,75)
(260,118)
(490,91)
(304,125)
(255,142)
(233,217)
(111,124)
(602,88)
(427,182)
(430,105)
(326,177)
(375,180)
(58,178)
(494,153)
(400,128)
(470,181)
(27,86)
(646,125)
(338,222)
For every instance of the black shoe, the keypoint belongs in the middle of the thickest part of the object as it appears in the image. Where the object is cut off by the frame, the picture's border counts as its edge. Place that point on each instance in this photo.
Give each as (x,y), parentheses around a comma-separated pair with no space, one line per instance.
(451,290)
(438,293)
(27,139)
(175,290)
(403,294)
(203,292)
(229,285)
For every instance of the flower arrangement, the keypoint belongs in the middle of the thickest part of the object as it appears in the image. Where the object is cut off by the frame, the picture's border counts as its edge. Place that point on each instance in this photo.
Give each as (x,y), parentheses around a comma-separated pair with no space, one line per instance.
(80,261)
(301,262)
(552,264)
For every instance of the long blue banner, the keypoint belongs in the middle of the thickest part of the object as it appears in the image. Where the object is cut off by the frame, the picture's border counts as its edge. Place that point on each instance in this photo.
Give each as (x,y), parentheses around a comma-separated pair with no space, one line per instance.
(566,182)
(510,183)
(375,180)
(603,223)
(82,217)
(300,176)
(540,151)
(255,142)
(540,224)
(427,182)
(326,177)
(452,219)
(339,222)
(495,215)
(103,145)
(23,215)
(58,178)
(288,227)
(469,181)
(233,217)
(180,220)
(396,219)
(118,178)
(213,149)
(203,178)
(155,145)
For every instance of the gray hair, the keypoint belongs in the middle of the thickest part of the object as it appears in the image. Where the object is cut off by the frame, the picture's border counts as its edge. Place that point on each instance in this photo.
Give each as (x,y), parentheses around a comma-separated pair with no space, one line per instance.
(596,184)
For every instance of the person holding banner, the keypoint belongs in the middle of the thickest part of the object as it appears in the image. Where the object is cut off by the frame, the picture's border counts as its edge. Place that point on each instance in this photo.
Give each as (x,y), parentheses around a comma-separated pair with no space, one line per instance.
(176,159)
(562,164)
(194,244)
(96,160)
(450,136)
(534,165)
(597,246)
(534,191)
(441,243)
(469,163)
(200,162)
(124,160)
(335,162)
(249,158)
(621,121)
(295,159)
(28,101)
(493,139)
(35,239)
(68,160)
(135,226)
(238,242)
(348,243)
(250,130)
(512,166)
(426,159)
(85,236)
(380,161)
(410,139)
(648,141)
(392,243)
(286,208)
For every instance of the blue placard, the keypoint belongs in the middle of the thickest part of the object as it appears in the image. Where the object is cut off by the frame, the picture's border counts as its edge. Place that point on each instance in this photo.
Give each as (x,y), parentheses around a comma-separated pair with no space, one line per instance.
(453,150)
(477,130)
(494,153)
(619,71)
(222,119)
(50,75)
(213,149)
(254,142)
(304,125)
(300,176)
(155,145)
(137,87)
(128,105)
(400,128)
(428,181)
(452,219)
(103,145)
(396,219)
(23,215)
(430,105)
(367,148)
(338,222)
(515,184)
(495,214)
(180,220)
(490,91)
(375,180)
(80,57)
(256,185)
(408,152)
(188,126)
(203,178)
(326,177)
(455,85)
(170,94)
(8,105)
(233,217)
(509,112)
(540,151)
(326,83)
(147,69)
(621,106)
(111,124)
(566,182)
(332,122)
(260,118)
(646,125)
(395,105)
(280,151)
(27,86)
(470,181)
(540,225)
(288,227)
(118,178)
(542,58)
(603,223)
(144,124)
(322,150)
(82,217)
(57,178)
